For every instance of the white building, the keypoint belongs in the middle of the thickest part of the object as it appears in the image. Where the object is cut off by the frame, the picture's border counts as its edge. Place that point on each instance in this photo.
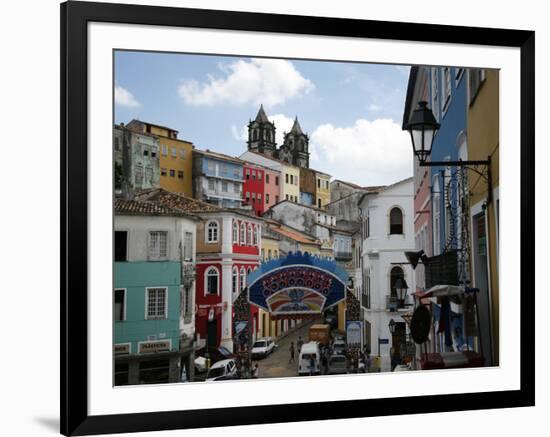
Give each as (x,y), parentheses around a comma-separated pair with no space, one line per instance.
(387,232)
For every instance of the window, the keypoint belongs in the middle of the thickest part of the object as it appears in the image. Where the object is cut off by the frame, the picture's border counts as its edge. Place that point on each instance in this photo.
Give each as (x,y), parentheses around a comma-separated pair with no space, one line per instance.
(156,303)
(212,236)
(154,152)
(286,195)
(267,179)
(286,178)
(145,151)
(235,280)
(267,198)
(172,173)
(446,85)
(139,174)
(259,175)
(249,239)
(211,166)
(237,172)
(253,197)
(235,233)
(277,180)
(117,143)
(269,253)
(247,174)
(158,245)
(248,196)
(180,174)
(224,186)
(263,254)
(276,199)
(243,278)
(187,304)
(259,197)
(211,185)
(120,305)
(255,231)
(174,152)
(435,93)
(212,280)
(149,174)
(476,76)
(318,183)
(182,153)
(188,246)
(253,175)
(121,244)
(292,179)
(163,172)
(319,203)
(396,221)
(326,185)
(367,225)
(164,150)
(243,234)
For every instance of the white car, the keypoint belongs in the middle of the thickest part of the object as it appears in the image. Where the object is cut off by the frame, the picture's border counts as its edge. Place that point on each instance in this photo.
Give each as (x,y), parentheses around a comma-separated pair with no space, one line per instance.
(263,347)
(223,369)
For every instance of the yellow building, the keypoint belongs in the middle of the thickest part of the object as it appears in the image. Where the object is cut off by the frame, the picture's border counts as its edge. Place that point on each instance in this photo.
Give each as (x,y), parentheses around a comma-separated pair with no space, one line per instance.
(322,189)
(483,142)
(290,187)
(175,157)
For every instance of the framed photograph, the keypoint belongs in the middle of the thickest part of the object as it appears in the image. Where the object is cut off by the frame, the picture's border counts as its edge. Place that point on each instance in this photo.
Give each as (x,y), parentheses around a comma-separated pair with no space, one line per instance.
(274,218)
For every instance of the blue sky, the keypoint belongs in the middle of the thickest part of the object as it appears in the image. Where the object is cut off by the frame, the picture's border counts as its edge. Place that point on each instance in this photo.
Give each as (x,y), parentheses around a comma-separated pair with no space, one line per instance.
(351,111)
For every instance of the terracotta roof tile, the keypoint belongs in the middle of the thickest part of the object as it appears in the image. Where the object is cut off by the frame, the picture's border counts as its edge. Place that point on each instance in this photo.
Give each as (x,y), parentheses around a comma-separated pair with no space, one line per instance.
(141,207)
(176,201)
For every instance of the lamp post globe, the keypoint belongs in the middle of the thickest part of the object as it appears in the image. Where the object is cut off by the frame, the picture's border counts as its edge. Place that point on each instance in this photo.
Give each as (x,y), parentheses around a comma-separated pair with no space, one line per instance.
(391,325)
(401,288)
(422,127)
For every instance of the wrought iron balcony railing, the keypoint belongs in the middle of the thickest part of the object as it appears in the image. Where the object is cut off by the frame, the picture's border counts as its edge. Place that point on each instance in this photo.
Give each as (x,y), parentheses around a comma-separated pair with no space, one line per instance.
(394,304)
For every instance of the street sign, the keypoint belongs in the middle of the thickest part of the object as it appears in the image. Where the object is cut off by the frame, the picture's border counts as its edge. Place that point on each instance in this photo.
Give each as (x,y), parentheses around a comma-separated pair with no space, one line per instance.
(384,340)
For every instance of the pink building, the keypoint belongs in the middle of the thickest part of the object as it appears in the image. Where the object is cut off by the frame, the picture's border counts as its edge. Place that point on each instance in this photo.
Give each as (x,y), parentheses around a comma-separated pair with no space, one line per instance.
(272,187)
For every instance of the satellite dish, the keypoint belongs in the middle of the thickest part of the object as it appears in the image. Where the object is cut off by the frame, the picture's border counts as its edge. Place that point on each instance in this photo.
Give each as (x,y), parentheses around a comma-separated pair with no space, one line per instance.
(420,324)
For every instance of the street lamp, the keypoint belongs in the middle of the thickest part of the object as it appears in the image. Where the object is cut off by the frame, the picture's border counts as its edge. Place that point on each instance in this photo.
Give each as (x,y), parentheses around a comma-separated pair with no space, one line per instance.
(401,288)
(422,128)
(391,325)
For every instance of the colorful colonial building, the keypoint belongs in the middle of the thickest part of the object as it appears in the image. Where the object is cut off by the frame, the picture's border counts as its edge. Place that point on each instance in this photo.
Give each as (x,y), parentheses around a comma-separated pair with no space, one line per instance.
(175,157)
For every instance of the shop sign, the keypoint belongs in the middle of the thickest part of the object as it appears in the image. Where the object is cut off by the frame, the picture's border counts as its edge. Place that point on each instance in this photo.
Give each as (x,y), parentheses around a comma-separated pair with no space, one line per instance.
(147,347)
(122,349)
(354,332)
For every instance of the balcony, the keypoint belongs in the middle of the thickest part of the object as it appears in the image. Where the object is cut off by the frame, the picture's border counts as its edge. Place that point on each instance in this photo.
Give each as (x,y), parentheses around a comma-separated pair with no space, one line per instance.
(365,301)
(393,304)
(342,256)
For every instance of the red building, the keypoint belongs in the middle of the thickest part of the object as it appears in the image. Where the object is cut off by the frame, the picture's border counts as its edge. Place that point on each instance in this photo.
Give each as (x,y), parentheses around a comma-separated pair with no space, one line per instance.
(228,249)
(254,187)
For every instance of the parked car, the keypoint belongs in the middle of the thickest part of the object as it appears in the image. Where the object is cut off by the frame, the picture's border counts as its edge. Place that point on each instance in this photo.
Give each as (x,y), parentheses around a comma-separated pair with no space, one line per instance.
(337,365)
(263,347)
(215,355)
(308,352)
(222,370)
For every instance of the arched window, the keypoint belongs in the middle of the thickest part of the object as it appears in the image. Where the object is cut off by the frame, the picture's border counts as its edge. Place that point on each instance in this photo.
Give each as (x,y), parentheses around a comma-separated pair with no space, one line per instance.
(243,278)
(396,221)
(235,233)
(243,234)
(235,282)
(255,135)
(212,232)
(249,239)
(255,236)
(211,281)
(395,274)
(249,271)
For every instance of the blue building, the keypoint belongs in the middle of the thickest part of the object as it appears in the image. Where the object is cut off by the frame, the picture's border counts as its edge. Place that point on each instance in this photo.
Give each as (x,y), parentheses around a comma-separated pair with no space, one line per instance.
(447,91)
(217,179)
(151,299)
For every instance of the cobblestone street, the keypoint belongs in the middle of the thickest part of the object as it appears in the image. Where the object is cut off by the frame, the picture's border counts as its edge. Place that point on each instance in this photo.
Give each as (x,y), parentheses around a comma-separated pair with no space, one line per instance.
(276,365)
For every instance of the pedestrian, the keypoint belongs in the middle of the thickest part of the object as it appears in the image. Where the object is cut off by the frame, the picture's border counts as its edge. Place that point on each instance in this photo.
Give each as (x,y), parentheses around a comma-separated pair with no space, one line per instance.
(311,365)
(291,350)
(255,371)
(299,343)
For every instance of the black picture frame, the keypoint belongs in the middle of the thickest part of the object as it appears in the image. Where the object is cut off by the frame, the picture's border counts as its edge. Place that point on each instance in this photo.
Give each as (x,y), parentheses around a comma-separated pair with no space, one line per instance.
(75,17)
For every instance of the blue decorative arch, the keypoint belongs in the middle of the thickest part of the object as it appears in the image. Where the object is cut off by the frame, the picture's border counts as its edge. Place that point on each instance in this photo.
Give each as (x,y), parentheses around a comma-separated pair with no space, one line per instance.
(297,285)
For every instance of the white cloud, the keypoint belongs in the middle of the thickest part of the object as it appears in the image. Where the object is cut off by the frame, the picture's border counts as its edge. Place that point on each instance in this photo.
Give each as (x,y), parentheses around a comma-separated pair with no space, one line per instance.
(268,81)
(374,108)
(240,134)
(368,153)
(123,97)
